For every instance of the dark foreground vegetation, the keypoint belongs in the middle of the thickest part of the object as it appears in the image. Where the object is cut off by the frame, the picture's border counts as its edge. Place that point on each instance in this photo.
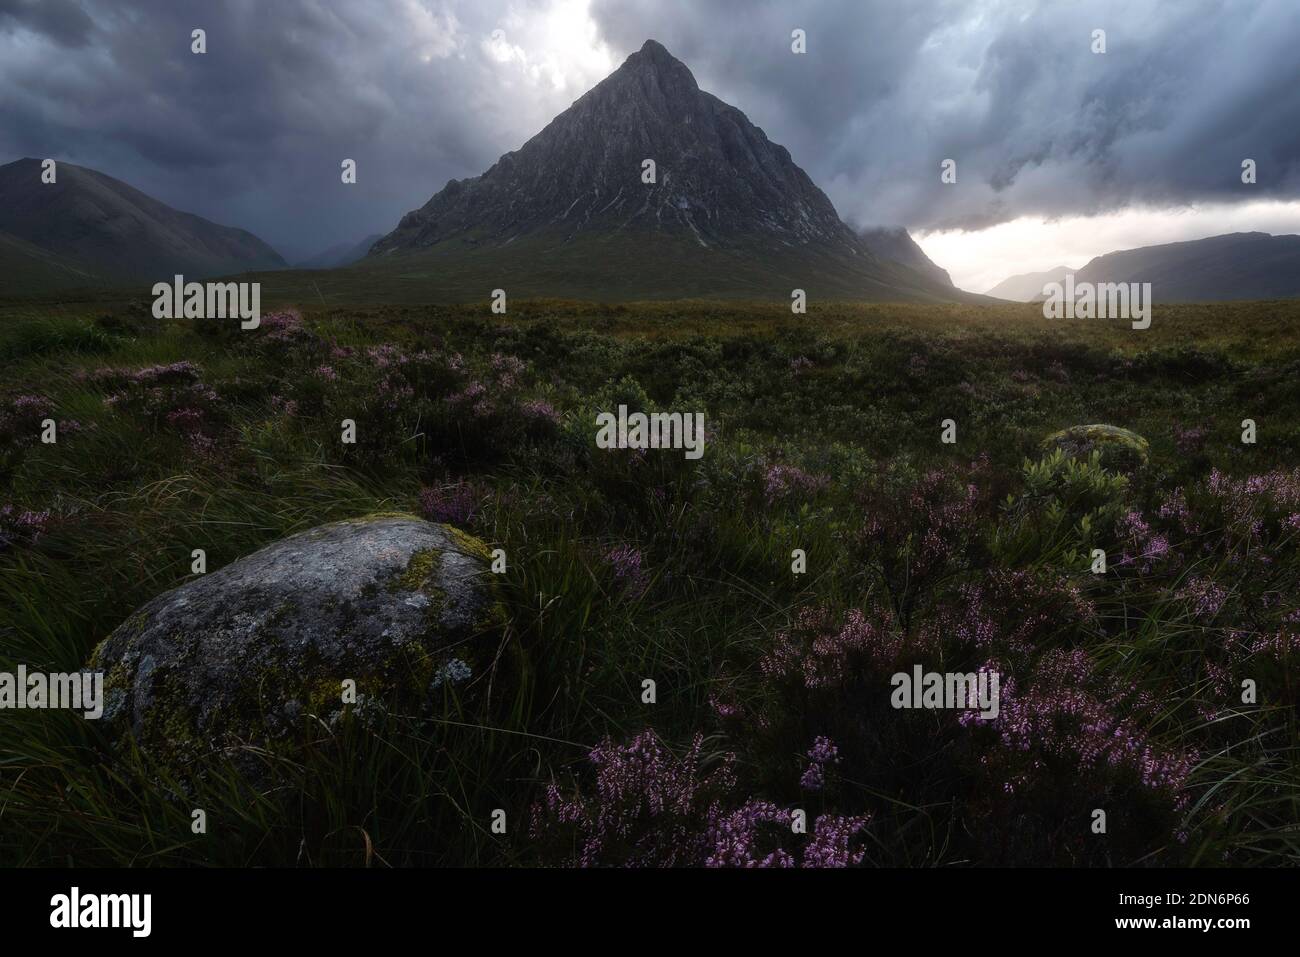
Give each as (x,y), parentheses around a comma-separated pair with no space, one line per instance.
(1121,691)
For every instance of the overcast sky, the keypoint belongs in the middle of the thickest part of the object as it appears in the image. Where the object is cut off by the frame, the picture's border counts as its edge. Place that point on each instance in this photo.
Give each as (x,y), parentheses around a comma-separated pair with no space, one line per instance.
(1061,153)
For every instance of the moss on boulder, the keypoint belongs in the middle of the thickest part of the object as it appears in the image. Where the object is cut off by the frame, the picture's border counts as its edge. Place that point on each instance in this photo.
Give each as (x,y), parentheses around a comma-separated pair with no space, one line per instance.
(241,655)
(1119,449)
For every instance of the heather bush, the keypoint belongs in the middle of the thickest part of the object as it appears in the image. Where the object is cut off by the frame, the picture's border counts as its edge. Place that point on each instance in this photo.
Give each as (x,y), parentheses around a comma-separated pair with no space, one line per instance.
(21,425)
(21,418)
(456,504)
(21,527)
(916,529)
(650,808)
(626,570)
(169,397)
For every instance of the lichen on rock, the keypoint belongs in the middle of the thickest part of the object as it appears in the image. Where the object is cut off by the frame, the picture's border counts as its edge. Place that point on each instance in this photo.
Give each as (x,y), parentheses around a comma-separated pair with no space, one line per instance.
(240,655)
(1120,450)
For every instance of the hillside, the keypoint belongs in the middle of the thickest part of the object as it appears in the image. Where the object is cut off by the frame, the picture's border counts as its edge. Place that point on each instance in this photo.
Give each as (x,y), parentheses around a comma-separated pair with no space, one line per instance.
(96,224)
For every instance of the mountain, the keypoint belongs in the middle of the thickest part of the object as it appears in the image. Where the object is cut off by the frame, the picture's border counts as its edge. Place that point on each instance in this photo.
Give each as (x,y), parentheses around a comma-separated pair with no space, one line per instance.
(568,213)
(342,254)
(895,244)
(98,226)
(1220,268)
(1028,286)
(1232,266)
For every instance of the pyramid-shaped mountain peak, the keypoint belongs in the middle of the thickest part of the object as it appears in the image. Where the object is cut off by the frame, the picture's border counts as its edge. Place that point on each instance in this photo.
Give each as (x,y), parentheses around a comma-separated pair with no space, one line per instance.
(654,55)
(653,59)
(656,52)
(647,162)
(645,150)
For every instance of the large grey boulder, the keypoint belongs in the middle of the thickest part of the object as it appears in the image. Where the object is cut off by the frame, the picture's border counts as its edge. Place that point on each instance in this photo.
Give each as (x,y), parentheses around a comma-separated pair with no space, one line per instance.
(402,607)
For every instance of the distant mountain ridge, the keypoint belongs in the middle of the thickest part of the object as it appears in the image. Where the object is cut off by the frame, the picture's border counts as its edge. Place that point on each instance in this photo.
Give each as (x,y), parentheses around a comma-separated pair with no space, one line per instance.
(95,227)
(1231,266)
(1026,287)
(1216,269)
(340,254)
(729,212)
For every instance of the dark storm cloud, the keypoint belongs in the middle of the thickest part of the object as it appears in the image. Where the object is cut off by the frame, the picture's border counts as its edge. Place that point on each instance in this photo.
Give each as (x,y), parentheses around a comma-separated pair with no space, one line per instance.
(252,133)
(1037,123)
(62,21)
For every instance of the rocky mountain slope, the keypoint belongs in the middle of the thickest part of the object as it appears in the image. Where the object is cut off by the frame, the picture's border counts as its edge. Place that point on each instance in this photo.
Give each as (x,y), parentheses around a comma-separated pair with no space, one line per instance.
(728,213)
(895,244)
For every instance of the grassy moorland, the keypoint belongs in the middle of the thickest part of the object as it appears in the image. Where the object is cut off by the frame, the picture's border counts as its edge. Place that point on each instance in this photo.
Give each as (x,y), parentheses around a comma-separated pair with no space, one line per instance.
(1120,691)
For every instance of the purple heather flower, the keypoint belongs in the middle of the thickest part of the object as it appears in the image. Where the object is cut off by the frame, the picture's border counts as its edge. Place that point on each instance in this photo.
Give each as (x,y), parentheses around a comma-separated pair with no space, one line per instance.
(814,778)
(455,504)
(21,527)
(782,481)
(626,564)
(539,411)
(823,751)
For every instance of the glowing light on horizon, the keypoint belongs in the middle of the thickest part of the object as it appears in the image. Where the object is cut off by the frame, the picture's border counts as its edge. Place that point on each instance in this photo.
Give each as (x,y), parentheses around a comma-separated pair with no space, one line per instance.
(980,259)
